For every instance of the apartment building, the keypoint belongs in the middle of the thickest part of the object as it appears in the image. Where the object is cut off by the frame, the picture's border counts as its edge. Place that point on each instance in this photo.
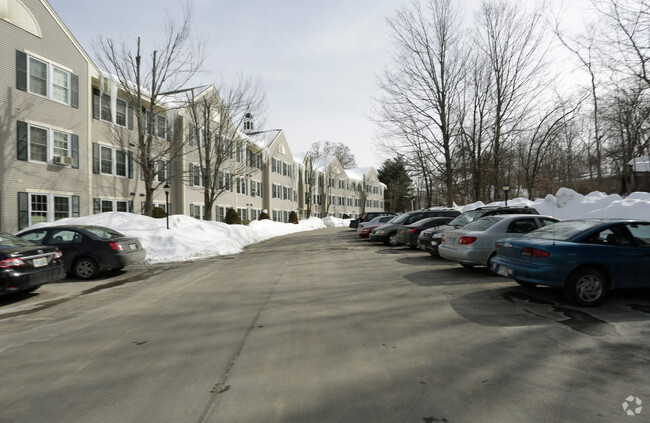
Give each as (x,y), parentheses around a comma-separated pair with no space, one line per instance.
(71,135)
(44,92)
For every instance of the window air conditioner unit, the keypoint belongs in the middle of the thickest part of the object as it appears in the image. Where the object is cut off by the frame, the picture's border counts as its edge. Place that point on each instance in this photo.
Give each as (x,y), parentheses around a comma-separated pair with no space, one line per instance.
(63,160)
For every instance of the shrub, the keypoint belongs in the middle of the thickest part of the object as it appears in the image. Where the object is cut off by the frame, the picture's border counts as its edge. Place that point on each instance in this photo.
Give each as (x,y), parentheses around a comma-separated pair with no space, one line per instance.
(158,213)
(293,217)
(232,217)
(346,216)
(264,215)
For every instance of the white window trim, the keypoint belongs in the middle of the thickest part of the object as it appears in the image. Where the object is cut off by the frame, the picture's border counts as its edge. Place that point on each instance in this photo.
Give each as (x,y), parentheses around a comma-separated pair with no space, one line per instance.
(49,142)
(50,77)
(113,162)
(50,205)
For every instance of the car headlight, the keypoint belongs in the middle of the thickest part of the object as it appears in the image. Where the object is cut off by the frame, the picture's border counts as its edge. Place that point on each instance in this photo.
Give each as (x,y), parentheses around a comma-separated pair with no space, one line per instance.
(380,232)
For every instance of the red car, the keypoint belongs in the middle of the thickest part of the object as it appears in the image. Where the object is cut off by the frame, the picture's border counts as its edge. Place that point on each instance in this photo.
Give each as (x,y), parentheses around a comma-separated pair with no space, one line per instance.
(365,228)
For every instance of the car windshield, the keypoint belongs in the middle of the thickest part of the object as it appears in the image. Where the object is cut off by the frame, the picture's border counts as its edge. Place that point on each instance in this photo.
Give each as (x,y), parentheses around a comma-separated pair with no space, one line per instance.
(9,241)
(562,231)
(465,218)
(104,233)
(481,224)
(401,218)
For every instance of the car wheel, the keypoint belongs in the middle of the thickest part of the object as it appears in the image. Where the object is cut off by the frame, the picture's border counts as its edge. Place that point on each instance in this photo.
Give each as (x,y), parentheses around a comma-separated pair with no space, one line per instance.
(85,268)
(391,240)
(587,287)
(526,284)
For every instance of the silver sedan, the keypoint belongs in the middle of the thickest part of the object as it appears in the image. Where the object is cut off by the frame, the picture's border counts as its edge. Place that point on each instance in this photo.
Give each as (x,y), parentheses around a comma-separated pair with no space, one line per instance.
(473,244)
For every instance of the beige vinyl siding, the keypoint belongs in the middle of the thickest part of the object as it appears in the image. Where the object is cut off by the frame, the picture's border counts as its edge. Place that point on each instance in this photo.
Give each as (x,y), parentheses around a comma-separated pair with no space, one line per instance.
(23,176)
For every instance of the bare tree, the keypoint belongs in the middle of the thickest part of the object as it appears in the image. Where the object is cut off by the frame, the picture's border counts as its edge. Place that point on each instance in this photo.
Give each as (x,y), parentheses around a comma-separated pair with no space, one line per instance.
(422,93)
(543,137)
(583,49)
(627,42)
(514,44)
(145,84)
(215,119)
(334,149)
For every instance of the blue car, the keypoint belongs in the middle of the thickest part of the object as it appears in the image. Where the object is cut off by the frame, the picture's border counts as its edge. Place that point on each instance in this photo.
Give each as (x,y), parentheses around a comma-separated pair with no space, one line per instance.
(586,258)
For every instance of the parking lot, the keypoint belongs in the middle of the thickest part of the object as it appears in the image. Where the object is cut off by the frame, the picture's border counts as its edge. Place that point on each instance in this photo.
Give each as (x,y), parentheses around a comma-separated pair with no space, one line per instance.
(321,326)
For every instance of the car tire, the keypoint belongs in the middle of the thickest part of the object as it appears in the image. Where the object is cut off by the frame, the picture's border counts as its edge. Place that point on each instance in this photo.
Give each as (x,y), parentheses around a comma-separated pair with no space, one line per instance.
(527,285)
(391,239)
(586,287)
(85,268)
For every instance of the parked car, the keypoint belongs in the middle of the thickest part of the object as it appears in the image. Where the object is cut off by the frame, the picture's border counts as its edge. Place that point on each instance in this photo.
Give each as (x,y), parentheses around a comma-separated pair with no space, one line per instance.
(586,258)
(388,233)
(26,266)
(88,250)
(368,216)
(365,228)
(474,244)
(429,239)
(408,234)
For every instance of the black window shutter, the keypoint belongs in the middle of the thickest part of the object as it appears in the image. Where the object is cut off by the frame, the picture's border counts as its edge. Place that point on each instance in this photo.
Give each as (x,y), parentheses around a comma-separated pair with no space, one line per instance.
(23,210)
(75,206)
(97,206)
(96,105)
(74,93)
(191,174)
(95,157)
(21,70)
(129,117)
(130,206)
(130,156)
(22,140)
(75,151)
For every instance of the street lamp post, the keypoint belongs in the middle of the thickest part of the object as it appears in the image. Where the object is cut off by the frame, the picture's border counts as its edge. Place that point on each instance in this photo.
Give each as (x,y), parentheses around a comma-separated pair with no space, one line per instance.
(506,187)
(166,188)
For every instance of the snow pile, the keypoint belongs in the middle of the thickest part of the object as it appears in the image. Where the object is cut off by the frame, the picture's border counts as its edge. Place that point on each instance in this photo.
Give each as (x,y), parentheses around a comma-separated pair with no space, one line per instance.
(191,239)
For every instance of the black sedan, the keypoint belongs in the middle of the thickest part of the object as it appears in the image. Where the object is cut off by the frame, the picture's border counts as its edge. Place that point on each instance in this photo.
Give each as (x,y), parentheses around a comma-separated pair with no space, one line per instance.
(409,234)
(25,266)
(88,250)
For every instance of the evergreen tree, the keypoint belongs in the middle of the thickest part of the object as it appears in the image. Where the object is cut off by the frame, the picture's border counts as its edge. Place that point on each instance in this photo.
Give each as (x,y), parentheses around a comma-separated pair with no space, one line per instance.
(393,173)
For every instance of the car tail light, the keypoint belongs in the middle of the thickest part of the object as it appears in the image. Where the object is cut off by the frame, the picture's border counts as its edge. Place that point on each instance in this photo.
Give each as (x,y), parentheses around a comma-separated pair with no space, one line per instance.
(533,252)
(466,240)
(58,254)
(13,262)
(115,246)
(410,231)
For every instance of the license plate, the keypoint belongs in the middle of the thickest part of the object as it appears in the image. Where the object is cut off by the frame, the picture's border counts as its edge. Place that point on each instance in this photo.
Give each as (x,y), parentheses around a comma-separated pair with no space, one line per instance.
(502,270)
(40,262)
(133,246)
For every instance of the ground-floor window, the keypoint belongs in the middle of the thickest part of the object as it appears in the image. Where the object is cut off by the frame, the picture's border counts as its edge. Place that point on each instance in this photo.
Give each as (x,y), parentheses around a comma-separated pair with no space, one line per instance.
(197,211)
(155,205)
(109,205)
(243,213)
(221,213)
(36,208)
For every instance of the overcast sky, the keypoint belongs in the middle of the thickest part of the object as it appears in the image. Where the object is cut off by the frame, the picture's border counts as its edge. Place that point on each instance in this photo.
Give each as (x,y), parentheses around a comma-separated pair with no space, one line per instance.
(318,59)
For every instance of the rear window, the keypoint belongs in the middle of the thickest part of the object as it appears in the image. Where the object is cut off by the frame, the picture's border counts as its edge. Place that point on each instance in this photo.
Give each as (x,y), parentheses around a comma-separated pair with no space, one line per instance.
(480,224)
(562,231)
(465,218)
(104,233)
(9,241)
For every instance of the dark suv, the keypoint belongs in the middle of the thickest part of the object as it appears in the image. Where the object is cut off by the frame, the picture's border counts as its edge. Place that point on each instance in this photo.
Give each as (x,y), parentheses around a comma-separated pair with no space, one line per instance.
(388,233)
(429,239)
(367,217)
